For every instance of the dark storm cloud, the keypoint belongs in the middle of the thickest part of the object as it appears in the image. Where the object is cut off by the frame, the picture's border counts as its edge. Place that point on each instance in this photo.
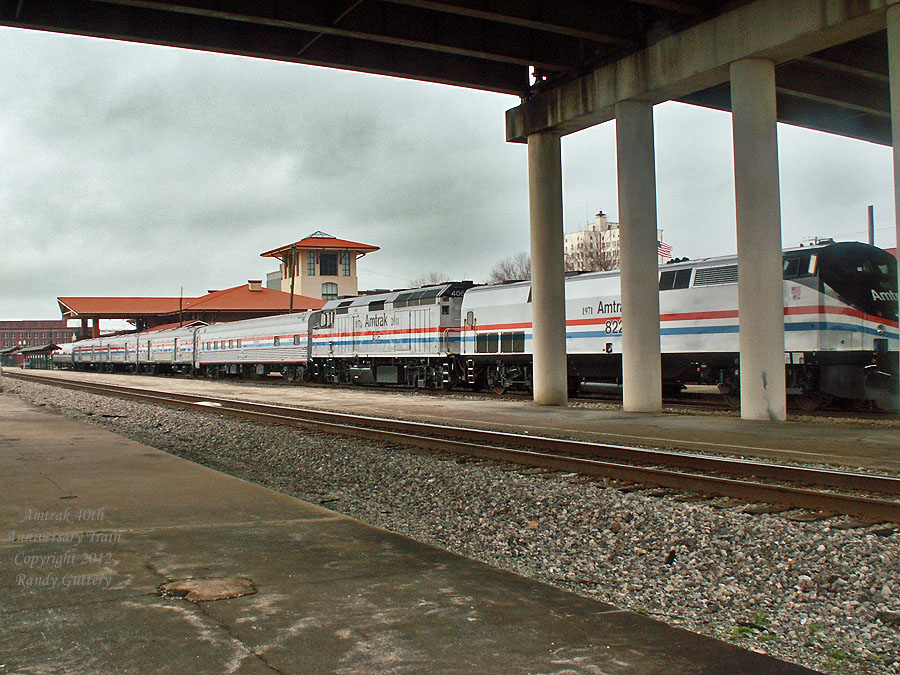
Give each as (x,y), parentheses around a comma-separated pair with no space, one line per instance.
(129,169)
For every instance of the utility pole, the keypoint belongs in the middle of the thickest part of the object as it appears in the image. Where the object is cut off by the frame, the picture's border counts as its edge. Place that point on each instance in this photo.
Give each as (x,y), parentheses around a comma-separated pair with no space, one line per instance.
(871,225)
(293,270)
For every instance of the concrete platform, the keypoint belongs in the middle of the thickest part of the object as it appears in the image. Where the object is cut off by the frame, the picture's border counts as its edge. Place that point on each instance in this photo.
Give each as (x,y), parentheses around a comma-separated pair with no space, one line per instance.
(93,525)
(801,439)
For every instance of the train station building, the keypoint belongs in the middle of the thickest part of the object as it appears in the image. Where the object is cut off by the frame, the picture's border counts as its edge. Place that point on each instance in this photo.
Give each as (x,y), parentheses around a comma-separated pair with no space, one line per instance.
(315,269)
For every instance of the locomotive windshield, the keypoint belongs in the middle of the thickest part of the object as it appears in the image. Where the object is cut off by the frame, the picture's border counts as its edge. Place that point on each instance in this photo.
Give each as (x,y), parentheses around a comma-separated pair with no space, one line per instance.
(864,276)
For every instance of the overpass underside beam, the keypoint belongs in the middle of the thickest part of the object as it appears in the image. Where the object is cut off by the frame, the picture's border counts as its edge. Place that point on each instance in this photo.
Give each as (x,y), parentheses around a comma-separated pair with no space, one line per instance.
(697,59)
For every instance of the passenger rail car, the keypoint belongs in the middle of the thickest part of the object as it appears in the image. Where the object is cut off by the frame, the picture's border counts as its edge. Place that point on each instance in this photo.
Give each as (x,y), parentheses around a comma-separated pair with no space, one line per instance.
(255,347)
(840,312)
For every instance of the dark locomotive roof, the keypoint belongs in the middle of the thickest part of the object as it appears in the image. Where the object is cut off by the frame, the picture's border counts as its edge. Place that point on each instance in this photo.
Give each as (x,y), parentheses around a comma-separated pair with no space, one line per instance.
(862,276)
(426,295)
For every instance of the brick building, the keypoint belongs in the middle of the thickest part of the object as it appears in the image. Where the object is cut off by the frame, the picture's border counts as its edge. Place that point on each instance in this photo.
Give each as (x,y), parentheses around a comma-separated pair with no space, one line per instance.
(34,333)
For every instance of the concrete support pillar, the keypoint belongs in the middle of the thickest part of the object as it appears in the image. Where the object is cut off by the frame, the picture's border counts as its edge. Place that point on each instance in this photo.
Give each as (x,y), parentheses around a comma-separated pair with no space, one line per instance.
(893,35)
(638,258)
(758,202)
(95,328)
(548,296)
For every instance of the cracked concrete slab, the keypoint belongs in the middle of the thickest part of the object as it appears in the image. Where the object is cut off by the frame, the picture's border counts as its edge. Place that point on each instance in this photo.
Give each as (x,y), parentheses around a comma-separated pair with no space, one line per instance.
(92,525)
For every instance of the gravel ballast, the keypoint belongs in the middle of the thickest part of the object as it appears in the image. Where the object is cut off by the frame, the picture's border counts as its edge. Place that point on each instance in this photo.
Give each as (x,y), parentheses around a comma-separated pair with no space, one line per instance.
(810,593)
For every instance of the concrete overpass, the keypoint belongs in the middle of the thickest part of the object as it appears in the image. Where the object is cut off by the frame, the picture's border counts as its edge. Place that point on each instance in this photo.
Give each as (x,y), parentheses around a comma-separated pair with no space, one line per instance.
(824,64)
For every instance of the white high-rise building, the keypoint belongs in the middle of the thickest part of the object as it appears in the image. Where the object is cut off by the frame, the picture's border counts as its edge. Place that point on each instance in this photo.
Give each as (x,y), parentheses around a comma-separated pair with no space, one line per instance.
(596,247)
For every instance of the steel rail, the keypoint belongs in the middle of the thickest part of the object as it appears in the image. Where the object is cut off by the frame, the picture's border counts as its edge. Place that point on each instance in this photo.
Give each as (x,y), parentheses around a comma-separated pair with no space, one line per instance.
(597,459)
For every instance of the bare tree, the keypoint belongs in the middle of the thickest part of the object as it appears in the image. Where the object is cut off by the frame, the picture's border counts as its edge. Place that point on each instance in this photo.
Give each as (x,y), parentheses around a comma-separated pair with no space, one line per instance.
(429,279)
(518,267)
(514,268)
(591,260)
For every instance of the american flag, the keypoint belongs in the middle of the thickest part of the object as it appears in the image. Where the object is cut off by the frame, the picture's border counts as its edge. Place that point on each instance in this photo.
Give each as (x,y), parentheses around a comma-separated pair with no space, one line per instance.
(663,249)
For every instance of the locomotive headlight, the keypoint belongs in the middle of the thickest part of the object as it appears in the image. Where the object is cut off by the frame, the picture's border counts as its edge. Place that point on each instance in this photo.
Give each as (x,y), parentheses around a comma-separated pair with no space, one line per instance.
(880,329)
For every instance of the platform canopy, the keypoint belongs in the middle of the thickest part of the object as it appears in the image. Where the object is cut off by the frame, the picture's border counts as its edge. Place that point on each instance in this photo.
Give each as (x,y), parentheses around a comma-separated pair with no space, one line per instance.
(522,47)
(247,301)
(39,349)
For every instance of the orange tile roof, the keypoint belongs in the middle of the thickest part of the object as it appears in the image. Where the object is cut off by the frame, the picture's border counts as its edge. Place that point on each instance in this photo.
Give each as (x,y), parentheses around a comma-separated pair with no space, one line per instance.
(237,299)
(320,240)
(116,308)
(242,298)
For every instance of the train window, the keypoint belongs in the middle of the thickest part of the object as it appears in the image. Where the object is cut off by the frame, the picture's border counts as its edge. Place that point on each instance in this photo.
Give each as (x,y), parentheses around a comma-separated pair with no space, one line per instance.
(486,343)
(802,266)
(401,300)
(277,340)
(445,309)
(415,298)
(237,343)
(791,268)
(297,339)
(216,344)
(512,342)
(231,344)
(376,306)
(429,295)
(675,279)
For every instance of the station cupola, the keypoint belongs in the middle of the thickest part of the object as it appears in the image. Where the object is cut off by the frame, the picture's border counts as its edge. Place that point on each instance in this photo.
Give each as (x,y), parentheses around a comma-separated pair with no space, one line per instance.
(319,266)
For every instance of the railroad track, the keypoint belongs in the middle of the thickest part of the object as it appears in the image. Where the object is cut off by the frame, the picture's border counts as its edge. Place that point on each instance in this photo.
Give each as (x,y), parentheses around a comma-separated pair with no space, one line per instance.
(687,401)
(870,497)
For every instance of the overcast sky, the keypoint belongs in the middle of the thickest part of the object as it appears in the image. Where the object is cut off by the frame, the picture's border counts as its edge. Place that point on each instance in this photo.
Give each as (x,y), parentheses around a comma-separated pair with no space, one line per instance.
(135,170)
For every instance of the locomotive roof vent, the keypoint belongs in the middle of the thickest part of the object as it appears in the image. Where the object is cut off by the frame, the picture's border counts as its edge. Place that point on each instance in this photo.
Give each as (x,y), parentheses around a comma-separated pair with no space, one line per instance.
(713,276)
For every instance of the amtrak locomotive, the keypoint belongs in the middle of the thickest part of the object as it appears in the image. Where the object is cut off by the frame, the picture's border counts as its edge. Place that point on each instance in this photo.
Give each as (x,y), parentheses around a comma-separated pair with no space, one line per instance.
(840,312)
